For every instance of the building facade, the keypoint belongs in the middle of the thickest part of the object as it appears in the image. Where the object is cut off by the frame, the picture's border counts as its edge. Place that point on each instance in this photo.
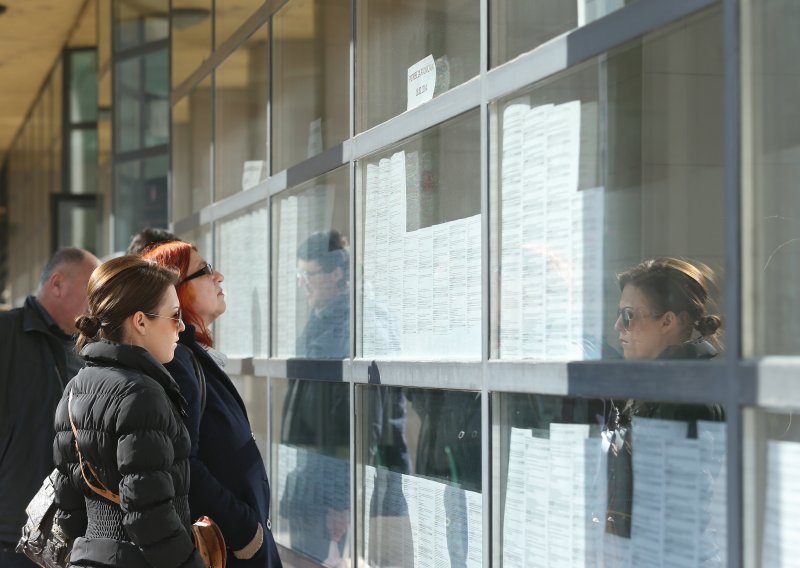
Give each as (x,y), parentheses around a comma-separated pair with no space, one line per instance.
(422,209)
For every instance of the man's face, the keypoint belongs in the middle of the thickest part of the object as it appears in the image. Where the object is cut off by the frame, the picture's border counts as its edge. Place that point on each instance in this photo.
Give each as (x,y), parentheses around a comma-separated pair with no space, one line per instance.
(320,286)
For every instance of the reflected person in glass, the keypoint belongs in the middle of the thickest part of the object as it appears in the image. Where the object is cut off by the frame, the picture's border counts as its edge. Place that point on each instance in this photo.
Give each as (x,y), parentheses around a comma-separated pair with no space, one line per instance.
(663,314)
(229,479)
(663,311)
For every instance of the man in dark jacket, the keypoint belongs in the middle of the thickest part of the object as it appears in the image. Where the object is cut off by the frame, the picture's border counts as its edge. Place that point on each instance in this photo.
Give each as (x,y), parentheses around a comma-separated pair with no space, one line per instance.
(37,358)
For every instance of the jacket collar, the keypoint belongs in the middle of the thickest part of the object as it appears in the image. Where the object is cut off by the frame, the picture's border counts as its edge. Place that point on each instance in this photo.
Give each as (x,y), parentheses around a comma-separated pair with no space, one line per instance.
(696,349)
(107,354)
(33,317)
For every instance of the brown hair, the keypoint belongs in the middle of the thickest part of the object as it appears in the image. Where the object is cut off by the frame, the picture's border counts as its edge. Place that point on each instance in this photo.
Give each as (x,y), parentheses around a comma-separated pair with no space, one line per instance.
(118,289)
(678,286)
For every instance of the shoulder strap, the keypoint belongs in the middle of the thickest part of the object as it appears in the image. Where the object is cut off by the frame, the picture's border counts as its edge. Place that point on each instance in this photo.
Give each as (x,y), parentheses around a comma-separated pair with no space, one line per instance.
(201,377)
(103,491)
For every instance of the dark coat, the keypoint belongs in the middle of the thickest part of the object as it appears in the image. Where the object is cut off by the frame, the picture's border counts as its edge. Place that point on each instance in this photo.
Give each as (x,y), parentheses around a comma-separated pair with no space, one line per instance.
(620,461)
(127,412)
(229,480)
(33,372)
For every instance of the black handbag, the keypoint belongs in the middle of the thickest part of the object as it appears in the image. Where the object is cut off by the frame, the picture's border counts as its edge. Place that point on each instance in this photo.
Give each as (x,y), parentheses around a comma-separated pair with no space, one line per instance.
(42,540)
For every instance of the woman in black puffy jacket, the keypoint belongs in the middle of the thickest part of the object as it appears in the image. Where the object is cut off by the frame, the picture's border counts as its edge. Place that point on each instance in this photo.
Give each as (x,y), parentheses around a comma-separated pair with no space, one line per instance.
(126,410)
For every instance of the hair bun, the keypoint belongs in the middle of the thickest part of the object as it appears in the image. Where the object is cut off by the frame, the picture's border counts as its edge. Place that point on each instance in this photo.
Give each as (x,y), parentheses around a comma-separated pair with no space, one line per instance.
(708,325)
(88,325)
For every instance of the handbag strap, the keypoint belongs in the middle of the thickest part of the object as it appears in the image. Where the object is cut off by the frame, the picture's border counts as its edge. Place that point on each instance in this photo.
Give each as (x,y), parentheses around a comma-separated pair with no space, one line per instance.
(103,491)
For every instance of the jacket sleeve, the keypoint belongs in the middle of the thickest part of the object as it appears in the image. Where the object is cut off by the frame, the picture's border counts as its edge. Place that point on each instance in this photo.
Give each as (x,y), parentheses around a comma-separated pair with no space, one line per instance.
(235,518)
(145,455)
(71,513)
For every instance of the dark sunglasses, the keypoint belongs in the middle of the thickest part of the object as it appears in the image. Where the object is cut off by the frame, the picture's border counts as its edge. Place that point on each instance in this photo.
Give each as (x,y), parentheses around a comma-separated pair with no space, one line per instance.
(207,269)
(627,315)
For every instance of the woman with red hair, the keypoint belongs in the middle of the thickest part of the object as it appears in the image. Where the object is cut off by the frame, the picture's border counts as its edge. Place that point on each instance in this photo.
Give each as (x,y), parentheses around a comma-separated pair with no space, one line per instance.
(228,478)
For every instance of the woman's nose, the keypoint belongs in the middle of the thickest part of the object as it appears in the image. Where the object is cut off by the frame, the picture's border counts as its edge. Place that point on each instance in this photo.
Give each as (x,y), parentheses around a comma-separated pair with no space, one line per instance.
(181,325)
(618,324)
(218,275)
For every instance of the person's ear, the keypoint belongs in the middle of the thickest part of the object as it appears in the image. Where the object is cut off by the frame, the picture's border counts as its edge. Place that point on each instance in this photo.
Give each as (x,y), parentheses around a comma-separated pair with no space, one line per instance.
(56,283)
(669,321)
(138,324)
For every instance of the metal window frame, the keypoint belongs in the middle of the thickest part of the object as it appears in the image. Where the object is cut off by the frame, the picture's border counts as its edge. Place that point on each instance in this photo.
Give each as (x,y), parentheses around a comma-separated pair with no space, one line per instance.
(765,383)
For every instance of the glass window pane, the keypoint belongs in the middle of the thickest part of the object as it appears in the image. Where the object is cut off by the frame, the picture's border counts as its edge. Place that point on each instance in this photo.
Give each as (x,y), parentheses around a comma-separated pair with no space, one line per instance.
(83,161)
(230,15)
(311,92)
(201,238)
(610,164)
(420,477)
(420,249)
(140,197)
(242,258)
(311,468)
(83,86)
(590,482)
(191,37)
(410,51)
(142,106)
(139,22)
(771,156)
(77,222)
(240,149)
(311,268)
(770,455)
(521,25)
(191,152)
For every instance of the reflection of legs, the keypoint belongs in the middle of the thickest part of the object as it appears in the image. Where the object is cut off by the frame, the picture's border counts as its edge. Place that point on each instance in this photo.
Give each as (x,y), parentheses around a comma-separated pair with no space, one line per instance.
(391,542)
(455,507)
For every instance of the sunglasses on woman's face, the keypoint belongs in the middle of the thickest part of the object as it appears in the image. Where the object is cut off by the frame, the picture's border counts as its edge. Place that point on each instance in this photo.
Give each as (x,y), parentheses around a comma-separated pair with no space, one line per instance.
(627,315)
(207,269)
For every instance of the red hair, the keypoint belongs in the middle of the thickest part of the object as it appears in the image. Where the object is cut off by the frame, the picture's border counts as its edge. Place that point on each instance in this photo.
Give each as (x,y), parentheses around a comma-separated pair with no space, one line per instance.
(177,255)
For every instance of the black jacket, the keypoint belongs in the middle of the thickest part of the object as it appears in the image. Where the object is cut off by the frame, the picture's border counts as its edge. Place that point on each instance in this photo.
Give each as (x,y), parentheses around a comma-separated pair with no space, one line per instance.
(229,480)
(127,411)
(33,372)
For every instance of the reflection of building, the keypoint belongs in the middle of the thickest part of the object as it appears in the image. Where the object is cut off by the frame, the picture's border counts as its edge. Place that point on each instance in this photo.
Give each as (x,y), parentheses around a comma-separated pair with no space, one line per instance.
(564,142)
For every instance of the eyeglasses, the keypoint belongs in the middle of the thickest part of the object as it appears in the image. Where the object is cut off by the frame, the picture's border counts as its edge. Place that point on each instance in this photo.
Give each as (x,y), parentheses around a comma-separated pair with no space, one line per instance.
(305,275)
(627,315)
(207,269)
(178,318)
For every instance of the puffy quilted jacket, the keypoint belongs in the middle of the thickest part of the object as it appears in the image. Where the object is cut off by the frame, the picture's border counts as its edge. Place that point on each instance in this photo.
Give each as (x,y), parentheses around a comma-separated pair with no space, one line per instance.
(127,412)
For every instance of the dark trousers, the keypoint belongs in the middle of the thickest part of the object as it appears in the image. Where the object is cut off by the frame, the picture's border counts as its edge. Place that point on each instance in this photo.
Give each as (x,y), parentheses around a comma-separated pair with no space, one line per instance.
(10,559)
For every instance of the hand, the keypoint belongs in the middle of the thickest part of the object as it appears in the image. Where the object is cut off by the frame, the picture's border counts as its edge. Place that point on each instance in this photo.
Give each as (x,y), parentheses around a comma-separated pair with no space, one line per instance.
(337,523)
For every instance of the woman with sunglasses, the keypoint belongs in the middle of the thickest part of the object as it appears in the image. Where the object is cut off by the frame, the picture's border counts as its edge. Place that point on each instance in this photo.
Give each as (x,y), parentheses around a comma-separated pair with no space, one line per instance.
(123,412)
(229,480)
(663,311)
(663,314)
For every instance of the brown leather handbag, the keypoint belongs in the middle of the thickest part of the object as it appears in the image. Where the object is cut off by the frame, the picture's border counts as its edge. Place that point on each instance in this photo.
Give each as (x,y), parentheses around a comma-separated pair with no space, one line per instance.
(208,538)
(209,542)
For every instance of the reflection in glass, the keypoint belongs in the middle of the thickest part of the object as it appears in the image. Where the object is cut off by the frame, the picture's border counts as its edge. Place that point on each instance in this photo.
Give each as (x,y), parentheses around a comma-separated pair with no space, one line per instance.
(421,460)
(771,465)
(313,468)
(137,22)
(142,107)
(610,483)
(409,52)
(771,156)
(140,197)
(312,269)
(521,25)
(191,37)
(240,149)
(242,253)
(421,260)
(592,184)
(311,79)
(663,311)
(191,152)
